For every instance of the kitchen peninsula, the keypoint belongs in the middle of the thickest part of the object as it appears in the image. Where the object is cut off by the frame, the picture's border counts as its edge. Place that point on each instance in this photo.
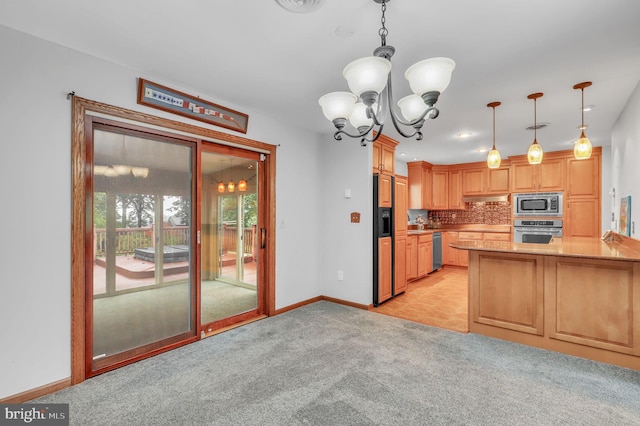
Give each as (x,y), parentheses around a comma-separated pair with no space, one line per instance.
(578,295)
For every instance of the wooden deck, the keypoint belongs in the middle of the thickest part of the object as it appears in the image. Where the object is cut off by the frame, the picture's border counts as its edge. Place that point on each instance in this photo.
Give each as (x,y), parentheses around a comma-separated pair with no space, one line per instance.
(134,273)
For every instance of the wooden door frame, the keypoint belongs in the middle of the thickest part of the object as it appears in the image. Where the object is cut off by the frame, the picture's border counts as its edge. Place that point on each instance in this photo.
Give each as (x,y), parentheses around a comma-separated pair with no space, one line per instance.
(80,172)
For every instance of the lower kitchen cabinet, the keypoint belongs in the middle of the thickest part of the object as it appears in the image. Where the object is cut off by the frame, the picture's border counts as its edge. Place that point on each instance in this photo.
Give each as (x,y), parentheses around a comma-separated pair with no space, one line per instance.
(385,250)
(412,257)
(419,256)
(400,263)
(455,257)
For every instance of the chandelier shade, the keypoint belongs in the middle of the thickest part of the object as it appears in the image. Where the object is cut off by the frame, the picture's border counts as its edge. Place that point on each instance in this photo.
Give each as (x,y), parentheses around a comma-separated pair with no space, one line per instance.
(430,75)
(582,147)
(371,100)
(367,74)
(338,105)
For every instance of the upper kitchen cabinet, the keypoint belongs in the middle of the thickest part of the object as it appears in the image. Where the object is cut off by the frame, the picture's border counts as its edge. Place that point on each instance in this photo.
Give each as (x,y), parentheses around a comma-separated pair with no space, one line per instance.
(583,176)
(455,190)
(440,185)
(548,176)
(420,183)
(478,179)
(384,155)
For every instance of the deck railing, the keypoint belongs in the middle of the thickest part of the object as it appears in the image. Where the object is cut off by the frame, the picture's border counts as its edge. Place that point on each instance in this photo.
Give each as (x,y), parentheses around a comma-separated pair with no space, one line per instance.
(129,239)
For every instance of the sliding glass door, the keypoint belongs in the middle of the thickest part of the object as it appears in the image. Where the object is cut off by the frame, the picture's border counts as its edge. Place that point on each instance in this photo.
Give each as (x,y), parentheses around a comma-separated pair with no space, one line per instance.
(142,286)
(230,236)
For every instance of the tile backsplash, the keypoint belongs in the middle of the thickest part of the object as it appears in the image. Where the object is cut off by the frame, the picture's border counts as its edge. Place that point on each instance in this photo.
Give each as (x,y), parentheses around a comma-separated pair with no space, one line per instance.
(488,213)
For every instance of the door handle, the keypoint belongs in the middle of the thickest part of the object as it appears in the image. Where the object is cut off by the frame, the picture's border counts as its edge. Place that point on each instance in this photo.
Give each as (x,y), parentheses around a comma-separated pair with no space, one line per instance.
(263,235)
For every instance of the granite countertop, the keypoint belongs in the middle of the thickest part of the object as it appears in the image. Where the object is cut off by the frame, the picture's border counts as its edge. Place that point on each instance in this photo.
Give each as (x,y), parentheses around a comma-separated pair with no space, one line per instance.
(479,227)
(587,247)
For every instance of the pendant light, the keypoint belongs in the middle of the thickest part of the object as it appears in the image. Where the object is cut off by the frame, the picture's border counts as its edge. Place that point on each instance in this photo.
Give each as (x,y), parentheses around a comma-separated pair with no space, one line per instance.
(582,148)
(242,185)
(535,153)
(221,185)
(231,187)
(493,158)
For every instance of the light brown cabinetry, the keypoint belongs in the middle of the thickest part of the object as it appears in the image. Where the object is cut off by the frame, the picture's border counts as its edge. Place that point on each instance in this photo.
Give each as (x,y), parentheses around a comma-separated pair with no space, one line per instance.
(400,265)
(455,190)
(456,257)
(412,257)
(384,191)
(385,277)
(582,202)
(425,254)
(440,193)
(420,184)
(400,234)
(545,177)
(383,155)
(481,180)
(449,254)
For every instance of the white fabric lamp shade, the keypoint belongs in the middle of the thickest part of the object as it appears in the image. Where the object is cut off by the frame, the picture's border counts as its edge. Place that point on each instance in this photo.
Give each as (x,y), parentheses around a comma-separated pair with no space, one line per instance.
(359,116)
(122,169)
(367,74)
(412,107)
(99,170)
(430,75)
(140,172)
(337,105)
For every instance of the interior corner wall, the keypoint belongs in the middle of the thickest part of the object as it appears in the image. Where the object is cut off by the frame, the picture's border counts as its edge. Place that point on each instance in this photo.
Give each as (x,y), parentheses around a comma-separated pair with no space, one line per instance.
(35,168)
(625,152)
(347,247)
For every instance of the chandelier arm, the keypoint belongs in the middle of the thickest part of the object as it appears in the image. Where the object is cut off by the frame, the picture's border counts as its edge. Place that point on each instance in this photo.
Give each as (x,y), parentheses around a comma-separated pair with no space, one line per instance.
(361,134)
(416,124)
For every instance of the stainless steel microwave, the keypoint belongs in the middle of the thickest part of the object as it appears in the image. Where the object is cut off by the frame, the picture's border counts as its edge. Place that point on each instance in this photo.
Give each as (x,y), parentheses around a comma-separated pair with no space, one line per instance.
(537,204)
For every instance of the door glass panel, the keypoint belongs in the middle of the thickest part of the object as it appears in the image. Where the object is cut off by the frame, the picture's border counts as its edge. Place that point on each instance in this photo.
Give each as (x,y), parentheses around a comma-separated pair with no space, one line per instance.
(229,224)
(142,292)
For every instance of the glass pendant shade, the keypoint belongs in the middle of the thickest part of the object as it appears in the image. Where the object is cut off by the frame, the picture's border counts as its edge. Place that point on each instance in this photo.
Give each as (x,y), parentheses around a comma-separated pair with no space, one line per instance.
(231,186)
(337,105)
(359,116)
(430,75)
(221,187)
(242,185)
(582,148)
(534,155)
(412,107)
(494,159)
(367,74)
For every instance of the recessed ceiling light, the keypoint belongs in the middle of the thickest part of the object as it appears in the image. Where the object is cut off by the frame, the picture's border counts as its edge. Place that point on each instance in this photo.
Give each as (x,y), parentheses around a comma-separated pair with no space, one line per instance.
(588,107)
(463,135)
(481,150)
(402,154)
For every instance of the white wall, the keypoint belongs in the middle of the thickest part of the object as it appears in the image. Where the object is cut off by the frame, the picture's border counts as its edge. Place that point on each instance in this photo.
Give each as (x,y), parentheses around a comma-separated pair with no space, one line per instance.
(35,170)
(625,154)
(348,247)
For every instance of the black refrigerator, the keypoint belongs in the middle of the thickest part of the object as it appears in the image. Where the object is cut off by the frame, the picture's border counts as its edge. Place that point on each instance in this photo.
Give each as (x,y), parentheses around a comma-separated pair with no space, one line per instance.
(383,247)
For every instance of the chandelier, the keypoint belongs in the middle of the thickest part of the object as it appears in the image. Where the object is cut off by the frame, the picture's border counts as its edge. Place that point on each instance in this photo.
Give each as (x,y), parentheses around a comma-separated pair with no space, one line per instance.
(370,77)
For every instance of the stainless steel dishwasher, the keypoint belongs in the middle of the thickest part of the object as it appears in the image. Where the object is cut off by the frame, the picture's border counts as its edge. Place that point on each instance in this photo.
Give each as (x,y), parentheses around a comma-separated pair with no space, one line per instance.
(437,250)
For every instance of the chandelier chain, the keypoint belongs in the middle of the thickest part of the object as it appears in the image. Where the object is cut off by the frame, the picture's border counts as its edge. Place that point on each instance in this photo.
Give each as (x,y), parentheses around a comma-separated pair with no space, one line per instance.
(383,31)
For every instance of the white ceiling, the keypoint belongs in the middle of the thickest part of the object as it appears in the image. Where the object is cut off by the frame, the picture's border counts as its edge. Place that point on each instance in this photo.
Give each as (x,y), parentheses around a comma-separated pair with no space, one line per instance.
(256,53)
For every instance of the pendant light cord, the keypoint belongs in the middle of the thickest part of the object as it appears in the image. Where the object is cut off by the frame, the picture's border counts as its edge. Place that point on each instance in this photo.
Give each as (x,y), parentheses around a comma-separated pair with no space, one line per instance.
(494,127)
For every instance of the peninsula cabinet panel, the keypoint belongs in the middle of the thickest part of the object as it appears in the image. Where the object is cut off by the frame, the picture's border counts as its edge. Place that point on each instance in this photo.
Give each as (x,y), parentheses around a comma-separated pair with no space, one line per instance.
(595,304)
(507,291)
